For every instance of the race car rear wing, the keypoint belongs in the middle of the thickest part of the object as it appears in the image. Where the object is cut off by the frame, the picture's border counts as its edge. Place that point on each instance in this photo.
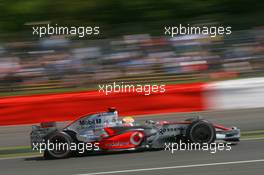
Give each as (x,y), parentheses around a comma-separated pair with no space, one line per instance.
(39,132)
(48,124)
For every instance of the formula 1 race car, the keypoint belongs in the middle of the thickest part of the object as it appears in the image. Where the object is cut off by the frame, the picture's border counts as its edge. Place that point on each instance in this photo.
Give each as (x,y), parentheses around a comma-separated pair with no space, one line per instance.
(105,131)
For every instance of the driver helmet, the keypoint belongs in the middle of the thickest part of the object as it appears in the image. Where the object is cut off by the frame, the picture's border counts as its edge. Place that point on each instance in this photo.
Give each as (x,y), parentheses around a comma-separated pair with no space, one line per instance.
(128,121)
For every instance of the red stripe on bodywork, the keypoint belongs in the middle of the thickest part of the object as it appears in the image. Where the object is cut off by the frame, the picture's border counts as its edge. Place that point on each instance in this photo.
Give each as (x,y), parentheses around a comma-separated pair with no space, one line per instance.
(221,127)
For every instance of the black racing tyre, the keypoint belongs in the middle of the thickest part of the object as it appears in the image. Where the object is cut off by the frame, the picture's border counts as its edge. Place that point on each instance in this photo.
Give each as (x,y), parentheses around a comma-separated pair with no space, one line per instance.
(61,149)
(201,131)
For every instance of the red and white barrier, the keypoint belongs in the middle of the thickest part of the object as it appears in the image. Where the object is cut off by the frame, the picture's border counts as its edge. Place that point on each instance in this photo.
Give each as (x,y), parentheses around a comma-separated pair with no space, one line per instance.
(68,106)
(233,94)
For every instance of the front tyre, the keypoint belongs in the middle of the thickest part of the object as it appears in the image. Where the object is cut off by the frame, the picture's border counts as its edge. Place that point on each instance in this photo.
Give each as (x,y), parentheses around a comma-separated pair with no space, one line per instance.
(60,143)
(201,131)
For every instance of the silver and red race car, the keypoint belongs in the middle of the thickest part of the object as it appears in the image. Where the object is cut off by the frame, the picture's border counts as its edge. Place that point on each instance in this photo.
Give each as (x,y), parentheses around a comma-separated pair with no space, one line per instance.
(105,131)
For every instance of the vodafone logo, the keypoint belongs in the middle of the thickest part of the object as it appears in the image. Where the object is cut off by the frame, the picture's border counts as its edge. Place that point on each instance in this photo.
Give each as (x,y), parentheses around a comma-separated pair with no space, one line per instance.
(136,138)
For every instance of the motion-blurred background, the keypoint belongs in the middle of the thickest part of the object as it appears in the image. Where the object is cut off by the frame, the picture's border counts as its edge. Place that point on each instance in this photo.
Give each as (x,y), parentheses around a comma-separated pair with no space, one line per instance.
(131,47)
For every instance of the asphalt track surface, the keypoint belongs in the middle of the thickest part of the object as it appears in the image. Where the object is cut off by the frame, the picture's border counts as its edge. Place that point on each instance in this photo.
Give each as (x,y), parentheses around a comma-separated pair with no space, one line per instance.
(245,158)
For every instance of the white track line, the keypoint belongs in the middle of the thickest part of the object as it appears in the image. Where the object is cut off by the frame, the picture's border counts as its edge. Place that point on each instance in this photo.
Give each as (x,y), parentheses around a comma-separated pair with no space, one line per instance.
(19,157)
(249,139)
(175,167)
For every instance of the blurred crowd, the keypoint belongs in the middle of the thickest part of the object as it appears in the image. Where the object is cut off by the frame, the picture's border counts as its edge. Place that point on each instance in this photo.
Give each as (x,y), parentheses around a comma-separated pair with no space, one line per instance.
(58,62)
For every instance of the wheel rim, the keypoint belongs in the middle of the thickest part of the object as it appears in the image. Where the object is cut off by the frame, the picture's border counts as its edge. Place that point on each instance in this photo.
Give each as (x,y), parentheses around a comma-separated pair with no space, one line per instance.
(59,151)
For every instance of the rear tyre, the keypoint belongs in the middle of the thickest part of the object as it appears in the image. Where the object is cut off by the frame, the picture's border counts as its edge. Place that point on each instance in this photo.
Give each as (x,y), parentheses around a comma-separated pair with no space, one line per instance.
(61,142)
(201,131)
